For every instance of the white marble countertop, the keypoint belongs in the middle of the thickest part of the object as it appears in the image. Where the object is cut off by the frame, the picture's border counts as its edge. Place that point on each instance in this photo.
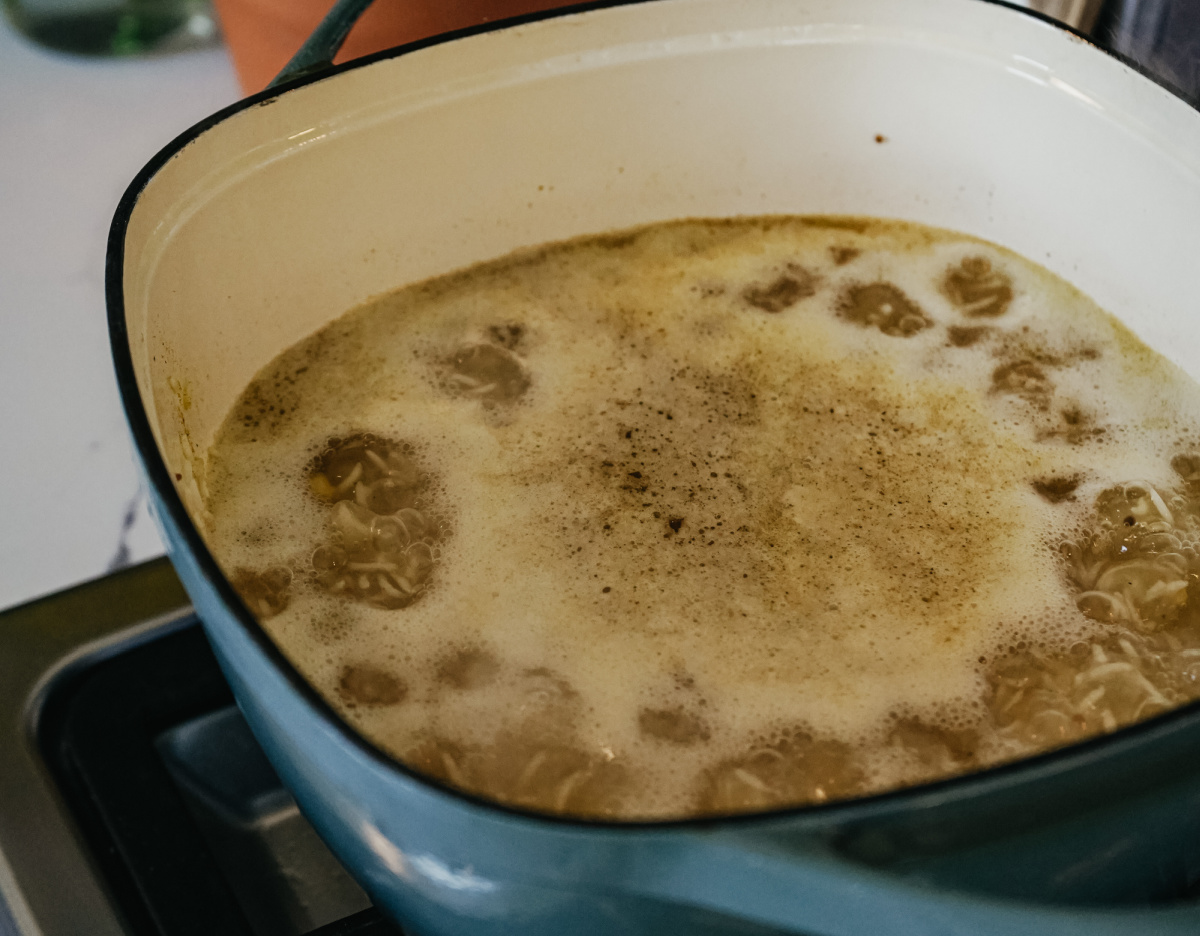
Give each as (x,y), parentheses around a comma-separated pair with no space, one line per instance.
(73,133)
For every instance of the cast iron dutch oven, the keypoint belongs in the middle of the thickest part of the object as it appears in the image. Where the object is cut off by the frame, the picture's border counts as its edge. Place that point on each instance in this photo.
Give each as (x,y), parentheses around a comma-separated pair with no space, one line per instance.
(271,218)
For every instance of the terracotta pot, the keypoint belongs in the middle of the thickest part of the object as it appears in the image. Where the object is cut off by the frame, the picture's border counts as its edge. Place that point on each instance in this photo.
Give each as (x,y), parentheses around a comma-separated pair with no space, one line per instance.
(263,34)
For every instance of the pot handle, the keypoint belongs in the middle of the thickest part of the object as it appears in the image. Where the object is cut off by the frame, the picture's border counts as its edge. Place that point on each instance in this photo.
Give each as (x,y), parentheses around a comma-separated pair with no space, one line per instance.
(318,50)
(810,892)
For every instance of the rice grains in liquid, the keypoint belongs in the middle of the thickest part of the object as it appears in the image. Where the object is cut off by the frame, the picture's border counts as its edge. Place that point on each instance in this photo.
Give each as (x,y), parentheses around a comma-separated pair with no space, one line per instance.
(716,516)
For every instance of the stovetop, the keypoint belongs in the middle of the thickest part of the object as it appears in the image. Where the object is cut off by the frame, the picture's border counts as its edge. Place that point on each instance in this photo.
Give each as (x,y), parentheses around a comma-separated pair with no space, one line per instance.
(133,798)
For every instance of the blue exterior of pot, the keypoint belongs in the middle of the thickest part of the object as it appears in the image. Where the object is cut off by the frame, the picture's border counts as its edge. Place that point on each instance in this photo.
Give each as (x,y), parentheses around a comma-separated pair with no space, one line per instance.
(1102,838)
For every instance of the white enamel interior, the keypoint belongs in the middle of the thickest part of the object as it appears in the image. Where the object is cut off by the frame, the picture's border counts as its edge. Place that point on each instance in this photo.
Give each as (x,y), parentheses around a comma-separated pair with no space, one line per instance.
(285,215)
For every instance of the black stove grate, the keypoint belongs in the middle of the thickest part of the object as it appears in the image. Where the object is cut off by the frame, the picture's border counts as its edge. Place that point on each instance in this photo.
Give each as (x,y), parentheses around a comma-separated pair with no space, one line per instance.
(189,825)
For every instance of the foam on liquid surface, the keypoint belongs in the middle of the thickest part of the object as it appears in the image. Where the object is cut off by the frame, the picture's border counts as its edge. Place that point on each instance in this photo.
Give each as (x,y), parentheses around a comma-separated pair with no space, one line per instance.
(705,517)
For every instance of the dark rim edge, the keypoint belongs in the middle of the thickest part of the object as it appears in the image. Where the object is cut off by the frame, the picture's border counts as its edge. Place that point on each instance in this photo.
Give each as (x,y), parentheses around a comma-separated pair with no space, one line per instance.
(1073,756)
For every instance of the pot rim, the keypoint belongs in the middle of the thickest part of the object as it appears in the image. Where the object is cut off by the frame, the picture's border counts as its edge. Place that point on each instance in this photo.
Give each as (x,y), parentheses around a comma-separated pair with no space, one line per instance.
(1070,758)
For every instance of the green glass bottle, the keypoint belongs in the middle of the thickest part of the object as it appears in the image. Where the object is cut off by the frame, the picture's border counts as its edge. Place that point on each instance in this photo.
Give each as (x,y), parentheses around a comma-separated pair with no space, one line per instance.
(115,27)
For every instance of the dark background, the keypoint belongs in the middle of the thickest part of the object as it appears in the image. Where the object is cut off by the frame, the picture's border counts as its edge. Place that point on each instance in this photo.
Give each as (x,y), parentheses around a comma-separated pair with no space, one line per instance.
(1161,35)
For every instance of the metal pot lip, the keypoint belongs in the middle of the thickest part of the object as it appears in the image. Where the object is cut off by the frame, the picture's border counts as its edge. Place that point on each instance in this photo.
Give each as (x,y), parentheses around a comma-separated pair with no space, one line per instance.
(1023,772)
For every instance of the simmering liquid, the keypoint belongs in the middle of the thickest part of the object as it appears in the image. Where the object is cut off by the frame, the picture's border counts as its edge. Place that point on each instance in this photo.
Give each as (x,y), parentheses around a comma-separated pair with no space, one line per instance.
(718,516)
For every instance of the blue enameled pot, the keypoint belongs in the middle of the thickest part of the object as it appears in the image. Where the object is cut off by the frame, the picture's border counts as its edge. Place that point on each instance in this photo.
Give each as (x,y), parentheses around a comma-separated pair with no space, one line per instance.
(269,219)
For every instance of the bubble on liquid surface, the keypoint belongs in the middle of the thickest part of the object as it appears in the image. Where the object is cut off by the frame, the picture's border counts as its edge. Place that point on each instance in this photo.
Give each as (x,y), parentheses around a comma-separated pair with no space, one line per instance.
(883,306)
(783,291)
(378,548)
(487,372)
(977,289)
